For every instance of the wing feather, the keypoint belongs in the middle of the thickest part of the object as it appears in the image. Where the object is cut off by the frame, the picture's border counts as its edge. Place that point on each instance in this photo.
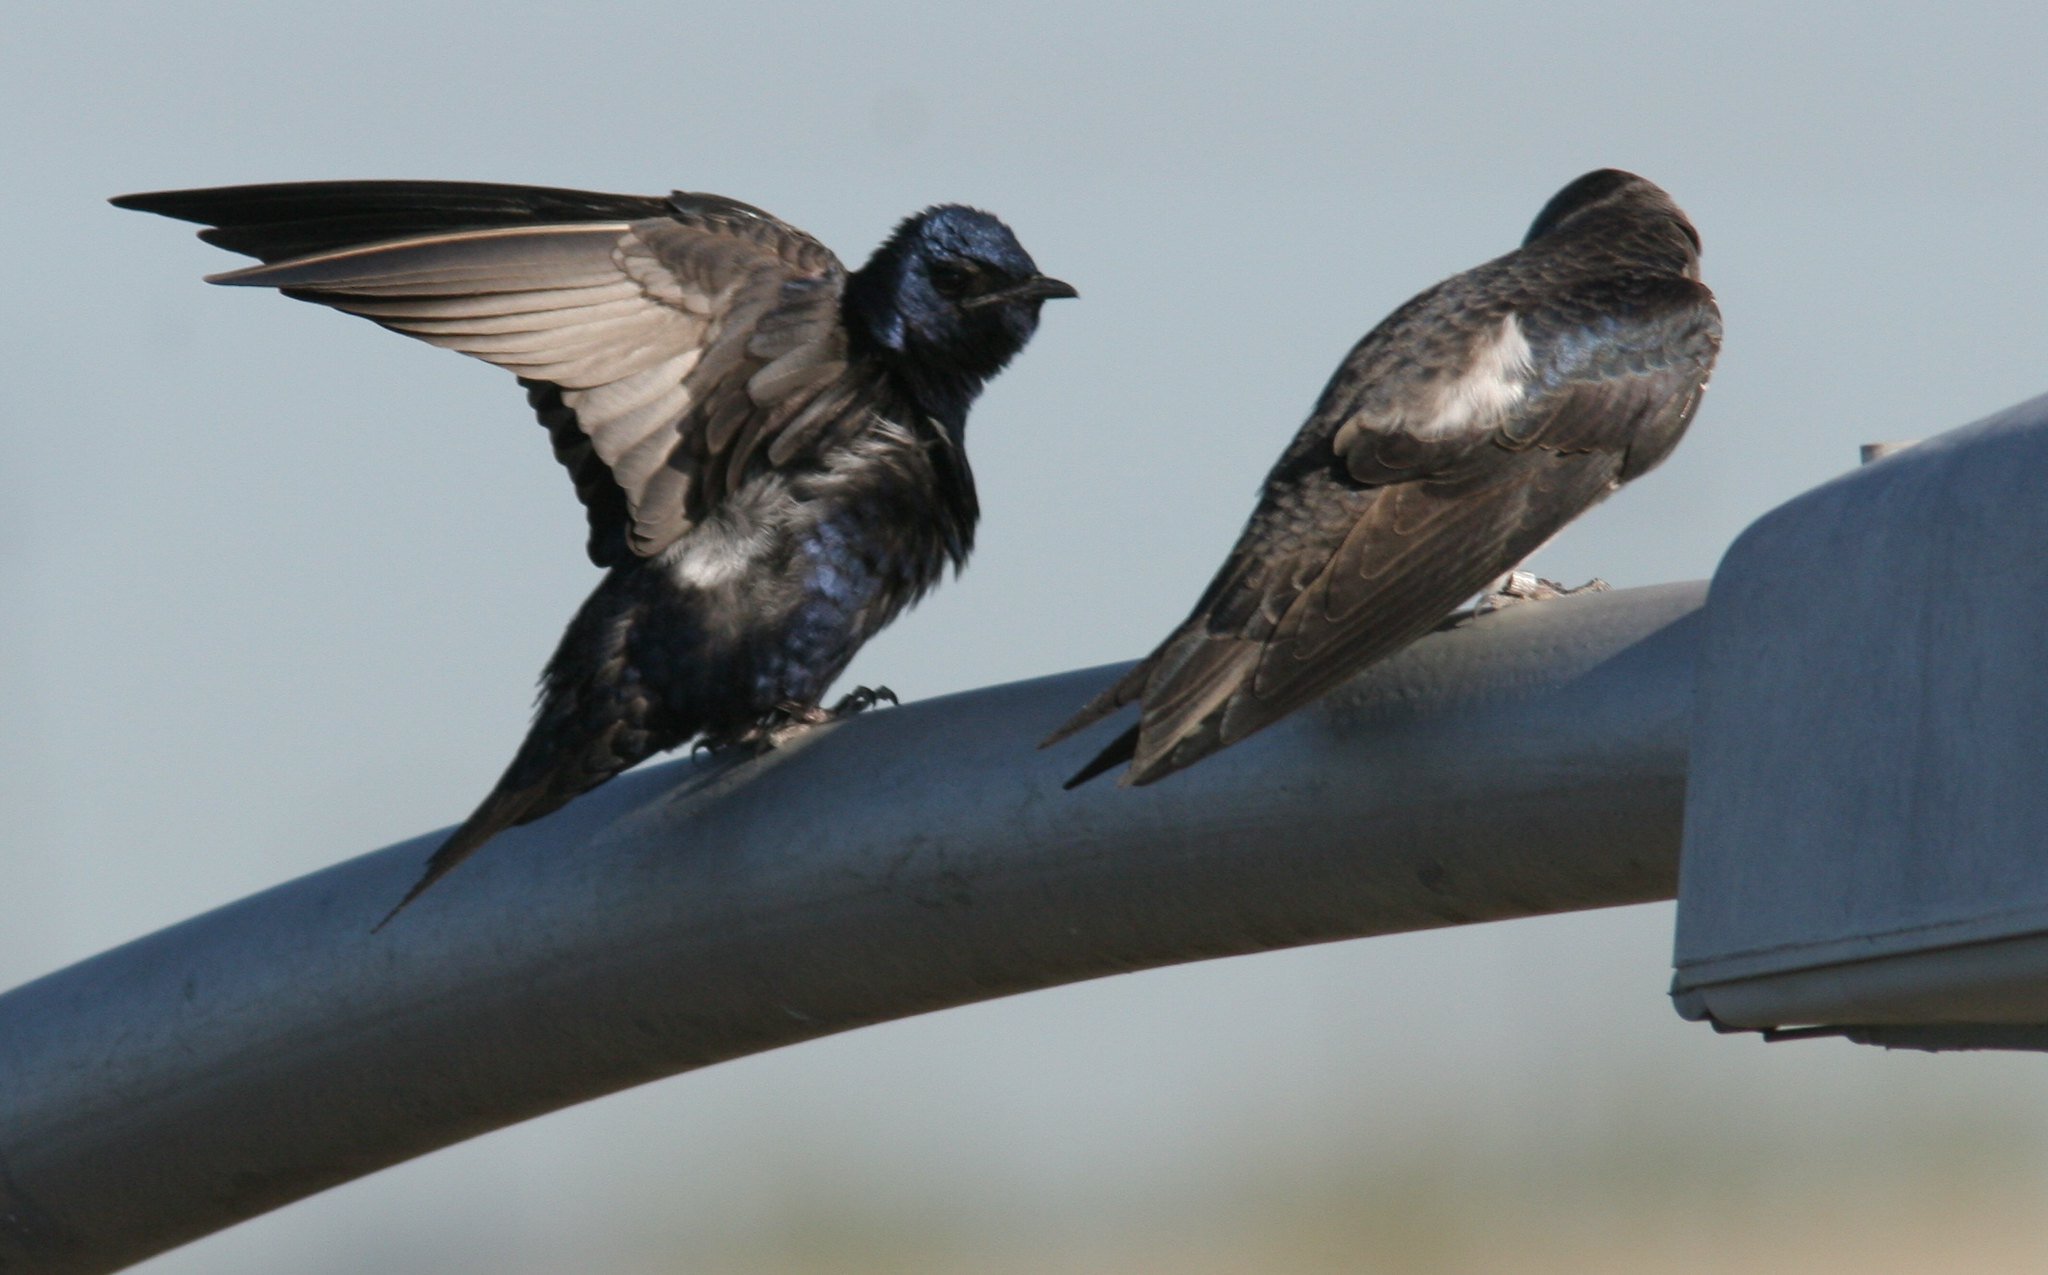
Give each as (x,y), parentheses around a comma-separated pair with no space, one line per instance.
(677,346)
(1440,484)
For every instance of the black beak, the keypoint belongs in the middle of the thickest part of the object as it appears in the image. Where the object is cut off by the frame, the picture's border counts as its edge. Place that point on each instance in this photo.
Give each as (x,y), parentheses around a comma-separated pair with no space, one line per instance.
(1046,288)
(1038,287)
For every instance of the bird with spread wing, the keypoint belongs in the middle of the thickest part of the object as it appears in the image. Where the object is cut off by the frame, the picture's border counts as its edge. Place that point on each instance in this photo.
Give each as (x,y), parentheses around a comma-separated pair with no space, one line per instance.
(1455,439)
(768,446)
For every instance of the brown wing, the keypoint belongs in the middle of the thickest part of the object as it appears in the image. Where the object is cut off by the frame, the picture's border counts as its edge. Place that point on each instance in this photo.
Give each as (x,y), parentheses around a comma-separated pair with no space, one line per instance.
(1441,483)
(666,354)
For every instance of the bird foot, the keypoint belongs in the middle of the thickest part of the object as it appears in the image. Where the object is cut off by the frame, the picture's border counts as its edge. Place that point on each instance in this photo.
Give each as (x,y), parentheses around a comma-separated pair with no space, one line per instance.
(776,727)
(1526,586)
(862,698)
(783,723)
(789,719)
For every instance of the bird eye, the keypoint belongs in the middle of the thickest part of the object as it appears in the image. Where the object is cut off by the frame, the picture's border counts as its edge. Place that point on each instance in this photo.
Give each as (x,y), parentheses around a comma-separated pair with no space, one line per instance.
(953,279)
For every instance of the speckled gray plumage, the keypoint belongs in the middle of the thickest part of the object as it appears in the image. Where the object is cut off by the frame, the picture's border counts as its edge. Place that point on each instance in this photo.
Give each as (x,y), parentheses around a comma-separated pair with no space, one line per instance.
(770,449)
(1455,438)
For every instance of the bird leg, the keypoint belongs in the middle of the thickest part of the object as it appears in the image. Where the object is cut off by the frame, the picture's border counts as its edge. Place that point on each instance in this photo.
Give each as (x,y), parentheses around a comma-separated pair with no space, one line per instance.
(1526,586)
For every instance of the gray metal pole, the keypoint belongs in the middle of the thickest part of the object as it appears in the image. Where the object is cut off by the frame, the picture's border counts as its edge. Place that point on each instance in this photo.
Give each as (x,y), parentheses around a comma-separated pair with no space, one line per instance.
(1530,761)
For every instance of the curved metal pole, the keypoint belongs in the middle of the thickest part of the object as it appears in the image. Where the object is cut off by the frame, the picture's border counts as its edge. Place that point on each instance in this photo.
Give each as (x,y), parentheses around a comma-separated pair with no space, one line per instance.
(1529,761)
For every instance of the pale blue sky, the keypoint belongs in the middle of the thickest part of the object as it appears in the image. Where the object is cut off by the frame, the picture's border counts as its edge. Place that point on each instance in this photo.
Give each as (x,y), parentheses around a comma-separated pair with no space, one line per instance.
(280,582)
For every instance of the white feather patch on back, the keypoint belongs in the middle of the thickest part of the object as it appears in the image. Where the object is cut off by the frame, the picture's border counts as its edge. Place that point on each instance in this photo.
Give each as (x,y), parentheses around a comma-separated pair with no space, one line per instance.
(1496,381)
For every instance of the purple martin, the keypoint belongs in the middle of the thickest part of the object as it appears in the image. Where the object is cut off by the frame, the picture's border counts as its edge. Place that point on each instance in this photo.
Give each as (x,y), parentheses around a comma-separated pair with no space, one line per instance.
(1455,439)
(768,446)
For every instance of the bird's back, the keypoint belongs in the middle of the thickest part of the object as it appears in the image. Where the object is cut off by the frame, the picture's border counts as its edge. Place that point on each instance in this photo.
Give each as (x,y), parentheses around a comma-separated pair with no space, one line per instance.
(1454,439)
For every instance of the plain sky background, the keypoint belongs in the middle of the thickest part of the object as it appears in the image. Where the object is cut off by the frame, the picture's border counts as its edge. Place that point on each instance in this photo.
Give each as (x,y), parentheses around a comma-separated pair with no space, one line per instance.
(278,583)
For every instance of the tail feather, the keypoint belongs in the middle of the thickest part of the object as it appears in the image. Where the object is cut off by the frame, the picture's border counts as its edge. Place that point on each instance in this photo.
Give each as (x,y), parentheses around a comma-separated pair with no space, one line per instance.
(597,717)
(1121,749)
(548,773)
(1123,691)
(1184,691)
(1119,693)
(504,808)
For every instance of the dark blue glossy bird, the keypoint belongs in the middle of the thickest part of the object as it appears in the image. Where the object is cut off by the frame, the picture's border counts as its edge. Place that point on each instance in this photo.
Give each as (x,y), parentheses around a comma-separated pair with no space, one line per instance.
(1460,434)
(769,448)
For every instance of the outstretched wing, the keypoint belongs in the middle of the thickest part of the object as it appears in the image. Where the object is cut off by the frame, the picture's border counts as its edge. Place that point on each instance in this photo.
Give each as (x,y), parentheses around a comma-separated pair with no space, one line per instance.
(1446,473)
(669,345)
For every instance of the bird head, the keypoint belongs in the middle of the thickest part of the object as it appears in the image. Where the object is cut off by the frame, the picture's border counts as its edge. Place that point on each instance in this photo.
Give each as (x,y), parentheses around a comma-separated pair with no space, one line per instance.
(1607,201)
(952,292)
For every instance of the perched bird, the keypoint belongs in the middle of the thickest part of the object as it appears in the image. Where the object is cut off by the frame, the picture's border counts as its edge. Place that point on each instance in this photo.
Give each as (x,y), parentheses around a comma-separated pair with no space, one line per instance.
(769,448)
(1459,435)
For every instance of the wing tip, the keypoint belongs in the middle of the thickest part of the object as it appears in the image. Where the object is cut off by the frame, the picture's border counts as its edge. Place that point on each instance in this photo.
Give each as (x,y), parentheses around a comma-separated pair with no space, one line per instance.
(166,203)
(240,278)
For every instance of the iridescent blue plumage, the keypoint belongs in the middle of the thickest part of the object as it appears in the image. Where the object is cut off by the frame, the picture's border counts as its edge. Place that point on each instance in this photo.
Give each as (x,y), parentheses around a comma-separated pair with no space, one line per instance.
(836,583)
(769,448)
